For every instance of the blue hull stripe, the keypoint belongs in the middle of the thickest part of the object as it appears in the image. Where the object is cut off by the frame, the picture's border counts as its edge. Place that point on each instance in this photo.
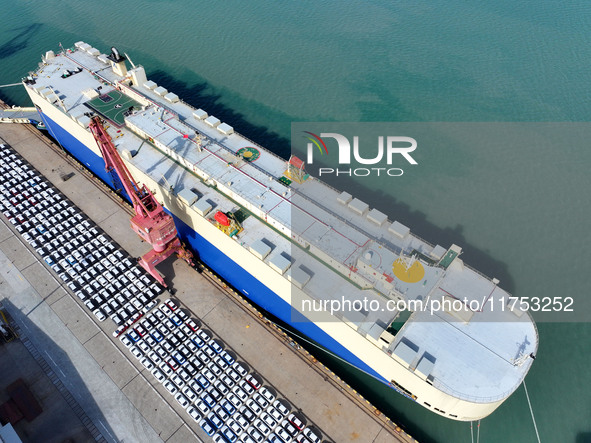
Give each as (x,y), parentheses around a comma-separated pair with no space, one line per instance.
(252,288)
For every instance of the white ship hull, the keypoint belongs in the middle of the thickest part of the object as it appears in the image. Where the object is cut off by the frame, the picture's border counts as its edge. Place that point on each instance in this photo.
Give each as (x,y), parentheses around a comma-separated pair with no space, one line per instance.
(273,291)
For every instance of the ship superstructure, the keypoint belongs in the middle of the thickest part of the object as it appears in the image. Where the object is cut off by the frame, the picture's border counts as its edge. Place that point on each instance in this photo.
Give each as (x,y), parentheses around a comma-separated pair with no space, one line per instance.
(289,246)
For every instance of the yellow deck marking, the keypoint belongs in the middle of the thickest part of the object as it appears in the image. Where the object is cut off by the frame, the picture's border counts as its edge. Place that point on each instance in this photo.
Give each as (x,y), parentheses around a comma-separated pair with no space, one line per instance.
(413,274)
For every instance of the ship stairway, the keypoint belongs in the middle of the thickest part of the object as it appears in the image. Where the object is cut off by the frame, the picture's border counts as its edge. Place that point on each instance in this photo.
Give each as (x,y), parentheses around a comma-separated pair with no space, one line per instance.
(19,115)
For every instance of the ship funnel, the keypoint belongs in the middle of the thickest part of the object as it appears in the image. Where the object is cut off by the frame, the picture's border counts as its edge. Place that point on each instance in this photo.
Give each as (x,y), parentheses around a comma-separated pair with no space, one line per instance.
(115,56)
(117,62)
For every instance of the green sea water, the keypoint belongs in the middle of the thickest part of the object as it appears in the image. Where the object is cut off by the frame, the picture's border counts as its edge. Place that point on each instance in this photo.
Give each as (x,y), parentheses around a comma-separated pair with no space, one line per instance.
(520,214)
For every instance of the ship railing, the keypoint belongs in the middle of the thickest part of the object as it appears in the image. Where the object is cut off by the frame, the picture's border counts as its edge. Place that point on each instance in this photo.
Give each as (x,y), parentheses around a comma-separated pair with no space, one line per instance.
(531,319)
(509,296)
(240,135)
(387,221)
(474,398)
(463,396)
(486,277)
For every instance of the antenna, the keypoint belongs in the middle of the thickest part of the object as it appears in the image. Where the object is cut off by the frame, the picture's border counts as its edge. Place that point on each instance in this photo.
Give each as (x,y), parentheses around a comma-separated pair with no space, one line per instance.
(198,140)
(406,260)
(128,58)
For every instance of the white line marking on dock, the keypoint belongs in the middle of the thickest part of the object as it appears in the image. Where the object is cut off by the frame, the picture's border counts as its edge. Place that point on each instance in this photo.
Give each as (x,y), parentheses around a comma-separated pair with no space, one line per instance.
(106,430)
(55,364)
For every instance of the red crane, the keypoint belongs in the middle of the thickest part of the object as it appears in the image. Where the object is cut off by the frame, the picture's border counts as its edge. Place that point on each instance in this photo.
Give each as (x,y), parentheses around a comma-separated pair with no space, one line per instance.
(150,221)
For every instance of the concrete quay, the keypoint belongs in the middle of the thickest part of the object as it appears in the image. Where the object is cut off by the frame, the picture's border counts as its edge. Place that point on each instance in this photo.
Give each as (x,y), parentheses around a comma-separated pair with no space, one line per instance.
(137,408)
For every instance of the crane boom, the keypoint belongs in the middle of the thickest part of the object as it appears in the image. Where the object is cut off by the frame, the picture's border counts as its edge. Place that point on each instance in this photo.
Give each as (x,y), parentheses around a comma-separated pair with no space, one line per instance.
(151,222)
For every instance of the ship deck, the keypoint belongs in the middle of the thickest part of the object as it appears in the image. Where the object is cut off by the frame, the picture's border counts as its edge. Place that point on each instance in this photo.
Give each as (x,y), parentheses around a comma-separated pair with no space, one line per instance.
(475,353)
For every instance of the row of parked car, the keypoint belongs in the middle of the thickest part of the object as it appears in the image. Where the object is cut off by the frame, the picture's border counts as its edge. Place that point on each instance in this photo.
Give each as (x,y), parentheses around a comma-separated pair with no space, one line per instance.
(104,277)
(229,403)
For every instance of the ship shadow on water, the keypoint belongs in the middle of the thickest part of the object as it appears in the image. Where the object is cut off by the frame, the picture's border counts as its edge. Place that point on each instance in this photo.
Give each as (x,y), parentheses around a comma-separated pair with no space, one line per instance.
(20,41)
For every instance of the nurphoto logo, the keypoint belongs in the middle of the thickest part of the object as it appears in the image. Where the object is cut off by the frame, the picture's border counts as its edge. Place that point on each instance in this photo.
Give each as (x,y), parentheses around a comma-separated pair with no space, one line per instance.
(388,149)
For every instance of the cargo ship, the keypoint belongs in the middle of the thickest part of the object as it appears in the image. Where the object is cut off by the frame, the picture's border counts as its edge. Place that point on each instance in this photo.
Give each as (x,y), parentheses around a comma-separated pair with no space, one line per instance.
(292,244)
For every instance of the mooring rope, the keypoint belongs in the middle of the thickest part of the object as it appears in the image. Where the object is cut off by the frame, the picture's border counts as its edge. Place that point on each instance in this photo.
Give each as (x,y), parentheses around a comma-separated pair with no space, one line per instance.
(531,412)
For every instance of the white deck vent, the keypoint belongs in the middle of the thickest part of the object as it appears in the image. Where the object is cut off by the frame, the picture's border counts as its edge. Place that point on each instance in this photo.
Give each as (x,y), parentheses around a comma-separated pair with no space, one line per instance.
(84,121)
(76,113)
(399,229)
(377,217)
(344,198)
(404,354)
(202,207)
(298,276)
(226,129)
(425,367)
(51,98)
(438,252)
(280,263)
(90,93)
(161,91)
(260,249)
(150,85)
(138,76)
(79,44)
(103,59)
(93,51)
(212,121)
(514,308)
(200,114)
(171,97)
(188,196)
(358,206)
